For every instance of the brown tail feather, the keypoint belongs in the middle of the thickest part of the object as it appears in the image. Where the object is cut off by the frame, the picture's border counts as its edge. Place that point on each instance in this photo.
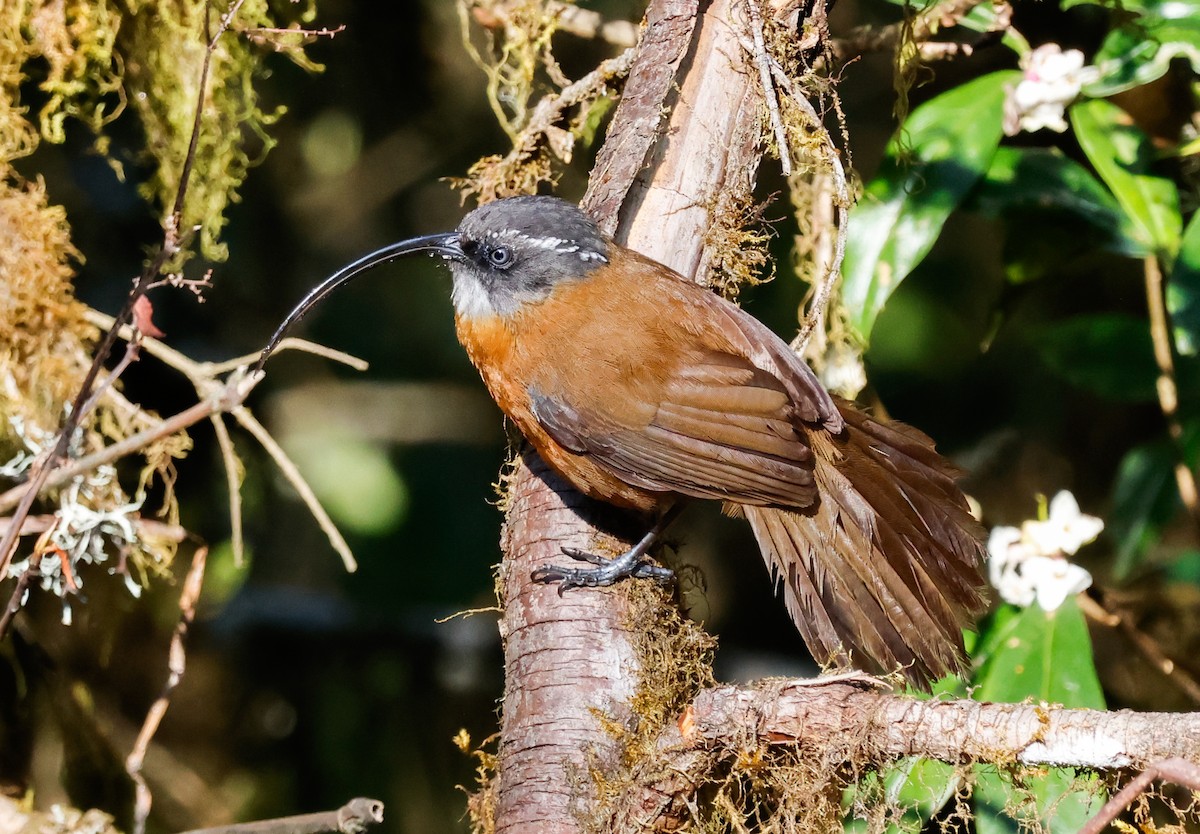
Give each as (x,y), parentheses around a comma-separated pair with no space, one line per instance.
(884,571)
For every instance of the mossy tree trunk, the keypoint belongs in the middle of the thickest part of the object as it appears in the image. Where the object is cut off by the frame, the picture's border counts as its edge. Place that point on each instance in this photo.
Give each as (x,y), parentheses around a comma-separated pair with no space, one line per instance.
(684,141)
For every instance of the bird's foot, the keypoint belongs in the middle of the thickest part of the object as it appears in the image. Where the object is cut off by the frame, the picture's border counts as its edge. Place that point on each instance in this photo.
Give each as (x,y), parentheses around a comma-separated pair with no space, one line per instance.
(632,563)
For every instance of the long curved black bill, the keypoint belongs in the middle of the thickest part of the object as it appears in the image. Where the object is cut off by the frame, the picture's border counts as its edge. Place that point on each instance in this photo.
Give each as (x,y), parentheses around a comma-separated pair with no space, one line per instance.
(445,245)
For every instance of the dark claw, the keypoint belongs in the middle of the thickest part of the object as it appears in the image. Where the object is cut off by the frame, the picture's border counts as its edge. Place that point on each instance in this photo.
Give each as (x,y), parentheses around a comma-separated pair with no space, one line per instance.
(584,556)
(645,570)
(606,572)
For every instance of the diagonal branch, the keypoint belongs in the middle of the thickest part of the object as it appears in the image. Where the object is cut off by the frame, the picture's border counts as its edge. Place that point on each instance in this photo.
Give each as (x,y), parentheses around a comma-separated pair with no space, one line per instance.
(42,472)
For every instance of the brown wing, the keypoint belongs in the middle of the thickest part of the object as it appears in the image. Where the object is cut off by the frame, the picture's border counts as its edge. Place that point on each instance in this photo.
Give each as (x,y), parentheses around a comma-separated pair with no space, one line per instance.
(723,429)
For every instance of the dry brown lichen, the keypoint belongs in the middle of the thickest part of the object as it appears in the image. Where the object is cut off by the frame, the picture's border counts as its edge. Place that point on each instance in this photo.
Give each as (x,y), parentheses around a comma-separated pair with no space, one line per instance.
(88,58)
(481,801)
(543,112)
(736,241)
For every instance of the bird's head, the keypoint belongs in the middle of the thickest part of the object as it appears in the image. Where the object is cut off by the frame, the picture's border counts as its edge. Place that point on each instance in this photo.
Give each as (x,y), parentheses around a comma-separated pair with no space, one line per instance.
(515,251)
(503,255)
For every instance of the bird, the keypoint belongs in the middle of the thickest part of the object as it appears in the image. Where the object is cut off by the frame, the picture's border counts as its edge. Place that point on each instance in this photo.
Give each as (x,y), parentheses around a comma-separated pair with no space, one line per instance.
(644,390)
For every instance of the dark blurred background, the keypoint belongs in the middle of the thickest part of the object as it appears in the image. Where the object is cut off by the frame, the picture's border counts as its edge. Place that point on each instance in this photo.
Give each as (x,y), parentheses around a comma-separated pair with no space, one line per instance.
(306,685)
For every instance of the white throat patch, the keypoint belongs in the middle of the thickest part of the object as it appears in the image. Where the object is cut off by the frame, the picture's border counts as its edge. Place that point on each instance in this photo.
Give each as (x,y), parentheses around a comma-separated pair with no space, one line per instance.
(470,299)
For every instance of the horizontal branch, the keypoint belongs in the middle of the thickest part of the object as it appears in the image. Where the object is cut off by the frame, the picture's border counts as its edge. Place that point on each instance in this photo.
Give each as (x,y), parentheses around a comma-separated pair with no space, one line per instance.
(849,723)
(354,817)
(221,399)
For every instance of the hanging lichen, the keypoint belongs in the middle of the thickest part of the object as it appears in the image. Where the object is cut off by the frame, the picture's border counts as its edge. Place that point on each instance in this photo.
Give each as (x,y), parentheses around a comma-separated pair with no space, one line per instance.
(543,112)
(88,59)
(164,48)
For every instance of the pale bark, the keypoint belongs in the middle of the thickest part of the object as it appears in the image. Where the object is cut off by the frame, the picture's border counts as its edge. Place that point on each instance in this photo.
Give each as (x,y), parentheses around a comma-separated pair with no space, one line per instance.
(844,723)
(684,140)
(570,659)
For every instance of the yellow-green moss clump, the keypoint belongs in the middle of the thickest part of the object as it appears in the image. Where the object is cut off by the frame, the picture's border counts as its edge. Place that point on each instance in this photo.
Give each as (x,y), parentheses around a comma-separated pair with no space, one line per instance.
(89,60)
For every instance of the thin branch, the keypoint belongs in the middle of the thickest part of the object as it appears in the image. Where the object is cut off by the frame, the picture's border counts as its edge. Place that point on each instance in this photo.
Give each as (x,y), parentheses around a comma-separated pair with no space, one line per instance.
(1168,392)
(843,722)
(176,665)
(41,473)
(833,272)
(1179,771)
(355,817)
(233,481)
(130,356)
(200,374)
(258,33)
(1144,643)
(220,399)
(293,476)
(763,61)
(290,343)
(32,524)
(207,371)
(550,108)
(17,600)
(923,27)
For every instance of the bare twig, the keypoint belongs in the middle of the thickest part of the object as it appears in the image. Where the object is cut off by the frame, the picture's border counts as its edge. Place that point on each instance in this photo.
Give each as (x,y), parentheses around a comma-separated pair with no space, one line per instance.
(32,524)
(924,26)
(176,665)
(258,33)
(130,356)
(1179,771)
(1168,393)
(290,343)
(220,399)
(233,481)
(1144,643)
(575,20)
(17,600)
(833,160)
(355,817)
(208,371)
(201,376)
(550,109)
(763,61)
(41,473)
(250,423)
(833,271)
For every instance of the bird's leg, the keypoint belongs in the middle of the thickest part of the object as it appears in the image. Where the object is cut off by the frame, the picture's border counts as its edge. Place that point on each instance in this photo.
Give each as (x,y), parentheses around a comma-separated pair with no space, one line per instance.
(607,571)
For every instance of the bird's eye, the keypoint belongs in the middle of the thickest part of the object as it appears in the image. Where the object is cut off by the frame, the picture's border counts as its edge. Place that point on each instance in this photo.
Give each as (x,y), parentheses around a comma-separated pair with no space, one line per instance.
(501,257)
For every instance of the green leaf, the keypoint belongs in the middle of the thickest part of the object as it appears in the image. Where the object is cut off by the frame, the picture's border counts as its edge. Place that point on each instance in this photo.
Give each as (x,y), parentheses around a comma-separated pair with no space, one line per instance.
(1108,353)
(1021,181)
(1145,496)
(1144,500)
(1141,50)
(944,148)
(1044,655)
(985,18)
(1122,156)
(1062,800)
(1185,568)
(916,788)
(1183,291)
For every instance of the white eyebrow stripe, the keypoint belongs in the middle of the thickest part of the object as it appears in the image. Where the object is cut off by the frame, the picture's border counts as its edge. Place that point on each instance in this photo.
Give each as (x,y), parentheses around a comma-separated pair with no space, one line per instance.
(550,244)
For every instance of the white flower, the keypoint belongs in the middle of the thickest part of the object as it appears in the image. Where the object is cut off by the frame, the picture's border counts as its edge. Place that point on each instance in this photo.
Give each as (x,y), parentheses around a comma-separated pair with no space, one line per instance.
(1052,80)
(1029,564)
(1054,580)
(1065,530)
